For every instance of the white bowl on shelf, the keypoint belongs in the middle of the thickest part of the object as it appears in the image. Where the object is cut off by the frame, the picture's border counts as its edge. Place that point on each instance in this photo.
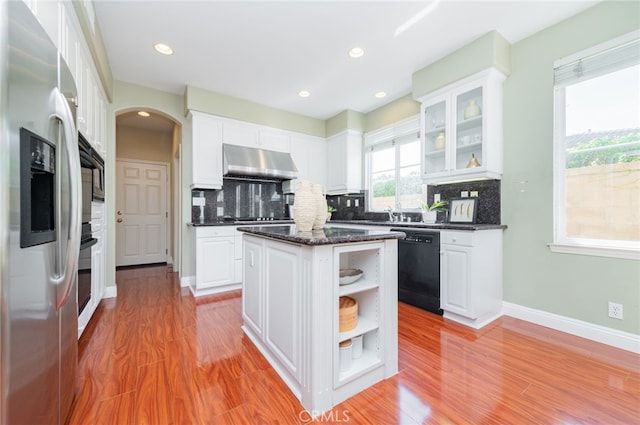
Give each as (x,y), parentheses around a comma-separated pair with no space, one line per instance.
(348,276)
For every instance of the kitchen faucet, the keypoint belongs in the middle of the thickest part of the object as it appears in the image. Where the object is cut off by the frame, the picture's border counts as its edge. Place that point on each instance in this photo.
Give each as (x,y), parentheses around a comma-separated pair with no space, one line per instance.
(390,212)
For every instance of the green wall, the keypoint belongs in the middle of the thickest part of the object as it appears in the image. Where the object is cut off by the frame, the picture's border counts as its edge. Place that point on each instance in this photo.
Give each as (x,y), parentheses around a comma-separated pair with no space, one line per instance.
(393,112)
(132,97)
(490,50)
(232,107)
(574,286)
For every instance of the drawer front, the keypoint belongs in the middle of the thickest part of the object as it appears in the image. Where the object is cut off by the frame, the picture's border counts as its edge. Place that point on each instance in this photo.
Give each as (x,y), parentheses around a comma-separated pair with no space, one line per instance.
(213,231)
(456,238)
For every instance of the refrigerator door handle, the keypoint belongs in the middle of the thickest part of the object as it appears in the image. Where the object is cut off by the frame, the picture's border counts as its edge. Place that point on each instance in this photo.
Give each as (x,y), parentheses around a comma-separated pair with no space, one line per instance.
(64,282)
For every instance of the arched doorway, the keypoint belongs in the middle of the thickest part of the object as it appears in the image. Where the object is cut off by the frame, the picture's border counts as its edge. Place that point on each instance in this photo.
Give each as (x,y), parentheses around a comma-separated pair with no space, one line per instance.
(147,154)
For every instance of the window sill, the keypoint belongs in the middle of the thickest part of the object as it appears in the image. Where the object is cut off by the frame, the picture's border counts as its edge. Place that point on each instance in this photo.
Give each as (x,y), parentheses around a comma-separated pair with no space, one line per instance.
(596,251)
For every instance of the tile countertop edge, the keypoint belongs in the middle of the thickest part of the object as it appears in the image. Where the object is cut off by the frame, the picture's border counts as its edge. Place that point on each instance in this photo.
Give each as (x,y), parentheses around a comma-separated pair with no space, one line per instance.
(335,236)
(420,225)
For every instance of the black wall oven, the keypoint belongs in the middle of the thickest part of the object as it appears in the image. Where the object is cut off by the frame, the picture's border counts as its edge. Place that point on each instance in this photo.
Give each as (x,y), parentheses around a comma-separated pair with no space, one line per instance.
(86,240)
(91,160)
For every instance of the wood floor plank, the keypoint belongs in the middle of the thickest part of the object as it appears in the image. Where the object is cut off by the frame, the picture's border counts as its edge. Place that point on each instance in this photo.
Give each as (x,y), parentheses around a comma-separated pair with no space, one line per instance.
(155,355)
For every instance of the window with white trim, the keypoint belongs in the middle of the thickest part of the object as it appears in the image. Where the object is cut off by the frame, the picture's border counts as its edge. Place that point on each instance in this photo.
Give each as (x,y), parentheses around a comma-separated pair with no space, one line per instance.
(393,173)
(597,150)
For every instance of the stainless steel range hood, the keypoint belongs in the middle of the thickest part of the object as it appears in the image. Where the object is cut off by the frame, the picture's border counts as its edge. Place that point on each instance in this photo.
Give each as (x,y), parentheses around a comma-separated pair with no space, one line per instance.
(241,161)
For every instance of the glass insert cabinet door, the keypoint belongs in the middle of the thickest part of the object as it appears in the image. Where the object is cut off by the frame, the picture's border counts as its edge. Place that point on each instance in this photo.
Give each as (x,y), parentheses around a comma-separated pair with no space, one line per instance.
(468,130)
(435,137)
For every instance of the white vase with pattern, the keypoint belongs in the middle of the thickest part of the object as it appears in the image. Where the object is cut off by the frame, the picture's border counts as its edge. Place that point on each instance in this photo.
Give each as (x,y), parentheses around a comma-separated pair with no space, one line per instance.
(304,207)
(321,206)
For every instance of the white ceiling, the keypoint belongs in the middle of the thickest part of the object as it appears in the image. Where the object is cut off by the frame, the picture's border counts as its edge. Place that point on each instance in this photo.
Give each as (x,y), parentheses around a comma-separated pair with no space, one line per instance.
(267,51)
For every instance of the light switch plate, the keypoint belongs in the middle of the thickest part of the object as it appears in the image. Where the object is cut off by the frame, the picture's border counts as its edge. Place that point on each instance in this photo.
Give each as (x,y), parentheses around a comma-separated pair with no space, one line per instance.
(436,197)
(464,194)
(474,193)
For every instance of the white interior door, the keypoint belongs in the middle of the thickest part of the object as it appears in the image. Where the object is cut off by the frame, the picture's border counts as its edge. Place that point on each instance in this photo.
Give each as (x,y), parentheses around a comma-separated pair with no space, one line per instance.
(141,213)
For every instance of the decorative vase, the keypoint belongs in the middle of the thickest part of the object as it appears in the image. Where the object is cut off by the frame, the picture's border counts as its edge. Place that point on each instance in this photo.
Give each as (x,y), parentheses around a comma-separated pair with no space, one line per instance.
(472,110)
(439,142)
(321,206)
(304,207)
(429,216)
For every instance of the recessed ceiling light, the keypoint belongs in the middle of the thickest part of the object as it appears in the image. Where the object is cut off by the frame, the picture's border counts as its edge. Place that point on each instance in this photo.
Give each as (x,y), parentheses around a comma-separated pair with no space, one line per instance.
(381,94)
(356,52)
(162,48)
(144,114)
(304,93)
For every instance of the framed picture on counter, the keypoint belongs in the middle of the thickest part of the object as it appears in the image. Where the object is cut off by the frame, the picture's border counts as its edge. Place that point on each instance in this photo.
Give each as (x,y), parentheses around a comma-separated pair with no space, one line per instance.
(463,210)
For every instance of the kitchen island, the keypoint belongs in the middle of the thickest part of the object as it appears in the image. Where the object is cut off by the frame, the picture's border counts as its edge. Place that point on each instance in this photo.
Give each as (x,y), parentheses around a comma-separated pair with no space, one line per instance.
(290,308)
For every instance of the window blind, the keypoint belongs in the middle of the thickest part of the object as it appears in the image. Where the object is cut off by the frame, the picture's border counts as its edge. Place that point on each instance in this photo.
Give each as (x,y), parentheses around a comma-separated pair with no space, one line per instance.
(614,59)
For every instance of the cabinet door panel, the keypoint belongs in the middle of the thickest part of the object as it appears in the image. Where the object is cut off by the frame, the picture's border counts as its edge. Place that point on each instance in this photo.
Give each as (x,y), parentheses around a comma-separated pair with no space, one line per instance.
(241,134)
(215,261)
(207,152)
(251,286)
(455,280)
(282,304)
(275,141)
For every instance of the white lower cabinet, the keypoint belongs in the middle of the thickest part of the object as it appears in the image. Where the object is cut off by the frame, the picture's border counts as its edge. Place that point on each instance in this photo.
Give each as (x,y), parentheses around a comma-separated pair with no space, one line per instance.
(252,288)
(282,304)
(290,310)
(215,260)
(471,276)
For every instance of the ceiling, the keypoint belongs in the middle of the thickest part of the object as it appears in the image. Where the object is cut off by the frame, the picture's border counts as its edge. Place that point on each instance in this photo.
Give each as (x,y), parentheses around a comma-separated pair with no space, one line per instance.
(268,51)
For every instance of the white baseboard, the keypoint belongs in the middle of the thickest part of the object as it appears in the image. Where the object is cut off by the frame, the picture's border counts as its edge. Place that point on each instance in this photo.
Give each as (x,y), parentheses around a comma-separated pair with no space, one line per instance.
(187,281)
(615,338)
(110,291)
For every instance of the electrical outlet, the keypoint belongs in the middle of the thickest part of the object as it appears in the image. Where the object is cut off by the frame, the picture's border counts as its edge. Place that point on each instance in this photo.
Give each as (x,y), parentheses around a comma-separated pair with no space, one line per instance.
(356,202)
(464,194)
(474,193)
(615,310)
(198,202)
(348,203)
(436,197)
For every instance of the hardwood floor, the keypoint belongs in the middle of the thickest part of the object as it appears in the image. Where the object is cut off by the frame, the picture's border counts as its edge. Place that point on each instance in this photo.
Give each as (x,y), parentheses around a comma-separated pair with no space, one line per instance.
(155,355)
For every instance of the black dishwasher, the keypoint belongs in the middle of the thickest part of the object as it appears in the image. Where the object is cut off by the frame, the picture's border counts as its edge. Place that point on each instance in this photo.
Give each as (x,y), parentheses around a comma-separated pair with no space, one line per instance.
(419,269)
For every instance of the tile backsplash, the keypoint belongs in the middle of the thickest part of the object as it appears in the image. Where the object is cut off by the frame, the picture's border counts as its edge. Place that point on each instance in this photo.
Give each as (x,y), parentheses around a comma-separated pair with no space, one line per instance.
(352,206)
(488,198)
(240,199)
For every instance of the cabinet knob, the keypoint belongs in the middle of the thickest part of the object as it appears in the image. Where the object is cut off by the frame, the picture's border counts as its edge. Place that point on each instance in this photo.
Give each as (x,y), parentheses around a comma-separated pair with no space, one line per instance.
(119,220)
(119,212)
(455,239)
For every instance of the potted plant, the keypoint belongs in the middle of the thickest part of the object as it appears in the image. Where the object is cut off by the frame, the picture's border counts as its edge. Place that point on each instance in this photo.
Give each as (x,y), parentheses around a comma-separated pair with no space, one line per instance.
(430,212)
(330,210)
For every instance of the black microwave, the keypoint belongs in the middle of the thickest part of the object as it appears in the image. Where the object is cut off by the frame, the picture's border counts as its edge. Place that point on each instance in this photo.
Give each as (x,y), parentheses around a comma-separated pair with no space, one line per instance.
(90,159)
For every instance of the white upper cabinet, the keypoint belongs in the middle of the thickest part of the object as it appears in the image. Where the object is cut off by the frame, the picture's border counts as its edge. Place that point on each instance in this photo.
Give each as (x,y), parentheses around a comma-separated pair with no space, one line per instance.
(344,163)
(308,154)
(206,132)
(240,133)
(255,136)
(209,132)
(275,140)
(462,130)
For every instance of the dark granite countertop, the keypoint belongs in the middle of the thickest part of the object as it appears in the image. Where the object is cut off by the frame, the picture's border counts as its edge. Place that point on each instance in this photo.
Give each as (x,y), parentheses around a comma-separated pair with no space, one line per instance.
(327,236)
(420,225)
(239,222)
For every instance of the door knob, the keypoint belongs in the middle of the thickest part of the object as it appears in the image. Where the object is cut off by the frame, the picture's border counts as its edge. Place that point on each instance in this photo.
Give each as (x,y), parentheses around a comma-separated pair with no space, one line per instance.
(119,220)
(119,212)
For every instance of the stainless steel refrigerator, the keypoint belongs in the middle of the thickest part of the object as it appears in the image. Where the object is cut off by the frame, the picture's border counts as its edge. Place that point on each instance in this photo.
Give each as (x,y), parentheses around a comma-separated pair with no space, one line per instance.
(40,224)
